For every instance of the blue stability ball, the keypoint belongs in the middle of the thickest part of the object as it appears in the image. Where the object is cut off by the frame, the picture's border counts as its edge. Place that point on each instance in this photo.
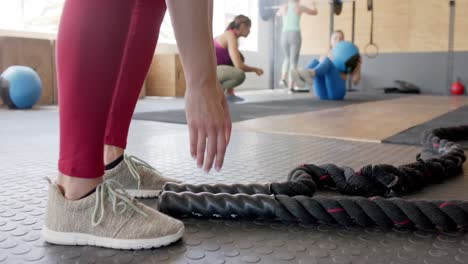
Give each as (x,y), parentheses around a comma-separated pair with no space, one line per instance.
(345,56)
(25,87)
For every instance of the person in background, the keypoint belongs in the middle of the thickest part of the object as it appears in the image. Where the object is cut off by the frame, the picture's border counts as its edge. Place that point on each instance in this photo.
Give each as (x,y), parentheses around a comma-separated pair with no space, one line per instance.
(338,36)
(291,37)
(329,82)
(231,67)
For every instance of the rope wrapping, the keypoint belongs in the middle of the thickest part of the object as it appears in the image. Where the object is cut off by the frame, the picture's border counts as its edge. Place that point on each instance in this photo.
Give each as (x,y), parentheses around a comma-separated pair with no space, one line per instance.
(300,186)
(293,200)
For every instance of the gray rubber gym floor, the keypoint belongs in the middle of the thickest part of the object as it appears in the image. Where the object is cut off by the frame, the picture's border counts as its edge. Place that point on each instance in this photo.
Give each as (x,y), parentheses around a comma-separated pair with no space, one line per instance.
(28,153)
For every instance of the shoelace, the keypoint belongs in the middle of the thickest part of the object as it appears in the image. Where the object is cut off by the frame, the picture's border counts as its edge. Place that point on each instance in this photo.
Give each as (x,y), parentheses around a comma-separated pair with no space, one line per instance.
(113,195)
(133,163)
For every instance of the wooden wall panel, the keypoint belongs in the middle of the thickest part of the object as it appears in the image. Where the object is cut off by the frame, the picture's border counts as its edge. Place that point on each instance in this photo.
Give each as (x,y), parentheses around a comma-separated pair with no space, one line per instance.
(161,76)
(315,30)
(165,76)
(461,25)
(428,25)
(391,25)
(362,27)
(399,26)
(34,53)
(343,21)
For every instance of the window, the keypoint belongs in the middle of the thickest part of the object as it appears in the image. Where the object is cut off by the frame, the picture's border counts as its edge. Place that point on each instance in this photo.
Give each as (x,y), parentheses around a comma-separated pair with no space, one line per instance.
(224,12)
(31,15)
(44,16)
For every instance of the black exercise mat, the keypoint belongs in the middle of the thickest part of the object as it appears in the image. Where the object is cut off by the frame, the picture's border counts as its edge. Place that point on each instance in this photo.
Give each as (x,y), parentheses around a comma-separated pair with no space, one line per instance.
(241,112)
(412,136)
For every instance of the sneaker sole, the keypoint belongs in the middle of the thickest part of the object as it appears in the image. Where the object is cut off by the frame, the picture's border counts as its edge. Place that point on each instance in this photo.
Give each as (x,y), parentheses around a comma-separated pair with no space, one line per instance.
(302,90)
(80,239)
(307,79)
(297,78)
(143,193)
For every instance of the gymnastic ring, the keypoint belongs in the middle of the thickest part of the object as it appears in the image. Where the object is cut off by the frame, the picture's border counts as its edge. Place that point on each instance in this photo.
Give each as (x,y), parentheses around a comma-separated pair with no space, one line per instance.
(371,50)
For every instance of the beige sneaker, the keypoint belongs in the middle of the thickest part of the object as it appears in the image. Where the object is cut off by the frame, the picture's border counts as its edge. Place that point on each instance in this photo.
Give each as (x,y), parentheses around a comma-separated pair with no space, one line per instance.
(302,76)
(138,178)
(107,218)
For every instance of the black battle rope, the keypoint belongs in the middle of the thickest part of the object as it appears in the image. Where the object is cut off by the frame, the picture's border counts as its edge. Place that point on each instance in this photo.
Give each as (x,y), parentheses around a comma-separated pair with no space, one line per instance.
(340,210)
(439,160)
(298,186)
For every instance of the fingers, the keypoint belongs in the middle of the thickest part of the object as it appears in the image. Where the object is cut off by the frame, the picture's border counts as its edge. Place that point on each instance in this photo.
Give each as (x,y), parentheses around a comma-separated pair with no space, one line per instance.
(201,146)
(221,150)
(215,149)
(211,150)
(193,132)
(227,122)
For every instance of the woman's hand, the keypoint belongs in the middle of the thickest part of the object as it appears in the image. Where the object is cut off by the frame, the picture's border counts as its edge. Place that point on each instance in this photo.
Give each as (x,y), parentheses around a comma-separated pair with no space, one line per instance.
(207,111)
(209,124)
(258,71)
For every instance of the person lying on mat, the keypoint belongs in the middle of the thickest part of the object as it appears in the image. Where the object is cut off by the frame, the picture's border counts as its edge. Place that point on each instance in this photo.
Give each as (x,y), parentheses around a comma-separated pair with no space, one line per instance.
(231,68)
(329,73)
(338,36)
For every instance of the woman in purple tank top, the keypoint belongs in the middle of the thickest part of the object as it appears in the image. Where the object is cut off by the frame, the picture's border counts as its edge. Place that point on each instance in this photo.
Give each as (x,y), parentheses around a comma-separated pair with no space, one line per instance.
(231,68)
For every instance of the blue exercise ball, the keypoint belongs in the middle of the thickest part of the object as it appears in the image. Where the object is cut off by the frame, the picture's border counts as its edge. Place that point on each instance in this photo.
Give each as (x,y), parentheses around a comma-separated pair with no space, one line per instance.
(345,56)
(25,86)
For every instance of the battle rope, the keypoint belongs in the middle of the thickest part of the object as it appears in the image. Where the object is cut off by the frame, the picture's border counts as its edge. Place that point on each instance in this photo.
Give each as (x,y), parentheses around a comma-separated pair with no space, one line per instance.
(441,158)
(339,210)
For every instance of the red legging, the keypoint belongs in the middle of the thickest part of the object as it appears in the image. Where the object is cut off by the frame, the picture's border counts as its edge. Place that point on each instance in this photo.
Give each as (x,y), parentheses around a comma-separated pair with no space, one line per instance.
(104,50)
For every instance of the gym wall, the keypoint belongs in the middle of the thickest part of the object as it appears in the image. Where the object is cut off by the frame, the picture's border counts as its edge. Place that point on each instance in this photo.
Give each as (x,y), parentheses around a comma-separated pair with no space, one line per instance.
(412,36)
(399,26)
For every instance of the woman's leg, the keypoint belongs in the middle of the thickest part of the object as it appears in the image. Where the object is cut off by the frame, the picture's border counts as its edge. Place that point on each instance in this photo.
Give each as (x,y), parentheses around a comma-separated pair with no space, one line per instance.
(90,47)
(312,64)
(295,41)
(285,47)
(230,91)
(139,50)
(229,76)
(320,87)
(303,76)
(90,50)
(322,67)
(335,85)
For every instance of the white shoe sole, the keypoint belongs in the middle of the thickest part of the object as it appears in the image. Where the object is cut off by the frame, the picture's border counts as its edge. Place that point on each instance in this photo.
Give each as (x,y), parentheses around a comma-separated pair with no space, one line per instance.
(297,78)
(143,193)
(79,239)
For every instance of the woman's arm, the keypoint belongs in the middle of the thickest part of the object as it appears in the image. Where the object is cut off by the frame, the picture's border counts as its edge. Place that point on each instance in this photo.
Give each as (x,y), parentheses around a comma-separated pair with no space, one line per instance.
(310,11)
(233,48)
(356,74)
(282,10)
(206,108)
